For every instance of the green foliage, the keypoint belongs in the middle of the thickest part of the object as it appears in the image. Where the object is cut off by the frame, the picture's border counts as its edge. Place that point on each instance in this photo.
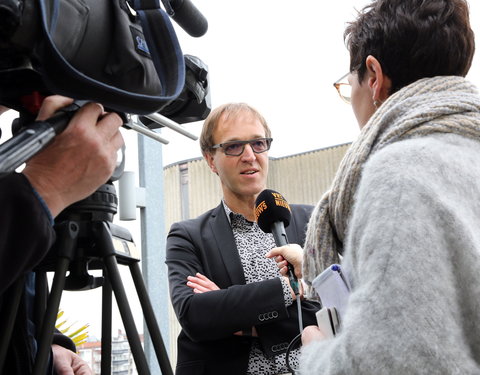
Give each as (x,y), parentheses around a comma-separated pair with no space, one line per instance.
(78,335)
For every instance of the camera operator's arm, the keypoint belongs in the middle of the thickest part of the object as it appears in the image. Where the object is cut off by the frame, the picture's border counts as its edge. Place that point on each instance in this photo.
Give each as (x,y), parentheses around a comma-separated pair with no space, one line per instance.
(76,163)
(73,166)
(80,159)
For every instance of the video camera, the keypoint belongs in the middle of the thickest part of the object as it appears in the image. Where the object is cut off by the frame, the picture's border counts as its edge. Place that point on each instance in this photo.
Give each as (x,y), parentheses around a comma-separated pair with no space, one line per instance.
(121,53)
(125,55)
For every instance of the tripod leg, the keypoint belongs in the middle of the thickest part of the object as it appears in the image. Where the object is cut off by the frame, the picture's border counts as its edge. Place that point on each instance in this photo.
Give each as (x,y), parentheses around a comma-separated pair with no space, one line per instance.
(110,262)
(46,332)
(106,365)
(126,314)
(66,246)
(150,320)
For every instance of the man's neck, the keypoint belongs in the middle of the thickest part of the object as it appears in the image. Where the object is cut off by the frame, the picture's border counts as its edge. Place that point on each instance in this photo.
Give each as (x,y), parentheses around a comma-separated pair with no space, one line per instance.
(245,206)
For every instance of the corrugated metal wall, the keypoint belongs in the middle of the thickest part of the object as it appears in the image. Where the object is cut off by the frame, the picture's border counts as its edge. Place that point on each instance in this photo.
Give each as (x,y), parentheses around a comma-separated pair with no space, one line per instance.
(173,213)
(303,178)
(192,188)
(204,188)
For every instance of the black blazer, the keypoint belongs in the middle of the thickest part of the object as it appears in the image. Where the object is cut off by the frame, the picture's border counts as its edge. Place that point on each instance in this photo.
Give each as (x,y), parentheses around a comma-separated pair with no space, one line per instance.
(207,344)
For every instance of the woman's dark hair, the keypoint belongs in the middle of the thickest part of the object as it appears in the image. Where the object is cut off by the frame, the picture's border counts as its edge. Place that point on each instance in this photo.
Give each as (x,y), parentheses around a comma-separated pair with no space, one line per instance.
(412,39)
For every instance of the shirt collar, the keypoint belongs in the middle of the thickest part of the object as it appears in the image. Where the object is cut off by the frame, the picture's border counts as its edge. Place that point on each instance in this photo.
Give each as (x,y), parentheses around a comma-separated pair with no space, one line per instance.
(231,214)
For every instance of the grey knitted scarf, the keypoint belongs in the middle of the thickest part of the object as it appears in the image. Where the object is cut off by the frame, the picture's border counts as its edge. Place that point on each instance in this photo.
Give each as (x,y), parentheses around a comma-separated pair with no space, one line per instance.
(444,104)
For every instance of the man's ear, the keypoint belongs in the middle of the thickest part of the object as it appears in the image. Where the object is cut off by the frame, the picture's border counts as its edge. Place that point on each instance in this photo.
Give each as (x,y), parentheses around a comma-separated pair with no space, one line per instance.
(209,159)
(378,82)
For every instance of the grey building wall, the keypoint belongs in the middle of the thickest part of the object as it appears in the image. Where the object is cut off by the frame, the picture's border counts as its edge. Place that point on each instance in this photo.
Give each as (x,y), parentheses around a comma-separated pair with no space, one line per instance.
(303,178)
(191,189)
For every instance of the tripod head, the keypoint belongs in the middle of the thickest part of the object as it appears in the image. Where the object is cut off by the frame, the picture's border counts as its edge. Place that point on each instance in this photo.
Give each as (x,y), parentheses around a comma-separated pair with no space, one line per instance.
(97,209)
(86,240)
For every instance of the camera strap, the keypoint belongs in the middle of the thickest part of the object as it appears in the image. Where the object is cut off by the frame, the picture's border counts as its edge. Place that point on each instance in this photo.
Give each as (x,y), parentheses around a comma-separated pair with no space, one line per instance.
(101,50)
(165,52)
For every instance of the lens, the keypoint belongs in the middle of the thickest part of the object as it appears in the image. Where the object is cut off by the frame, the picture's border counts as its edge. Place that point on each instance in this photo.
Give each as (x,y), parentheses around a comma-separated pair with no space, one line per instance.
(259,145)
(345,91)
(233,149)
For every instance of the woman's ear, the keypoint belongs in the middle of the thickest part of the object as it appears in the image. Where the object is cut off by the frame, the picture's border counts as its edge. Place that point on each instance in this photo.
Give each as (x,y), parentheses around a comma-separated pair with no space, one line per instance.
(378,82)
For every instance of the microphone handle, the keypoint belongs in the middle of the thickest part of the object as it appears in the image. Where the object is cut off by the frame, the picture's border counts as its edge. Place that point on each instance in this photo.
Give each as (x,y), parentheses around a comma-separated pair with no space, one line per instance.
(280,237)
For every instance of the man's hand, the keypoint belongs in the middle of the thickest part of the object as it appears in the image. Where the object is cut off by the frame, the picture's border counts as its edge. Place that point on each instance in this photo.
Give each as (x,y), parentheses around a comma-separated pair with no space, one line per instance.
(80,159)
(200,283)
(67,362)
(292,254)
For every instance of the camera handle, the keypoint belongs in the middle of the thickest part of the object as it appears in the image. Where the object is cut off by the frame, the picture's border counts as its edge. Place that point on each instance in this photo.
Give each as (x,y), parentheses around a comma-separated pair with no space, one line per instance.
(33,138)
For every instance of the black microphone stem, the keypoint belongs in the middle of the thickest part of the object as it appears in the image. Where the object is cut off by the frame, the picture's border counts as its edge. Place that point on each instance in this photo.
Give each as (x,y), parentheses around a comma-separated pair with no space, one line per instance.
(299,310)
(280,237)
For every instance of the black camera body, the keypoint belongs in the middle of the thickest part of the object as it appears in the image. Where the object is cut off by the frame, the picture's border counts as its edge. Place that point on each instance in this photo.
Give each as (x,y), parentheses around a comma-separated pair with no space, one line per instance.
(98,50)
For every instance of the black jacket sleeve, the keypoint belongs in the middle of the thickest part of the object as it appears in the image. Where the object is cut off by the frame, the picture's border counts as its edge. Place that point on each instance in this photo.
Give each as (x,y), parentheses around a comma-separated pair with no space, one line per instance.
(26,233)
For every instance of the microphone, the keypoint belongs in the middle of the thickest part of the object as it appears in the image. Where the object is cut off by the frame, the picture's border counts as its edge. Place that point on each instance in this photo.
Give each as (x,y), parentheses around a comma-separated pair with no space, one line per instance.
(187,16)
(273,214)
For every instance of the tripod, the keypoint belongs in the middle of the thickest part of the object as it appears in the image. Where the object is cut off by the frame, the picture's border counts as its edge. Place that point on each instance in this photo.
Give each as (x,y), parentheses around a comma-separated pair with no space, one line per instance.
(87,239)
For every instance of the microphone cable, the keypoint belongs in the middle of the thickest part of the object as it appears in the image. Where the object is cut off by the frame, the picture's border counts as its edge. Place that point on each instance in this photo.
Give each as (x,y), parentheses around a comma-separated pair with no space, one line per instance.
(273,214)
(297,338)
(290,347)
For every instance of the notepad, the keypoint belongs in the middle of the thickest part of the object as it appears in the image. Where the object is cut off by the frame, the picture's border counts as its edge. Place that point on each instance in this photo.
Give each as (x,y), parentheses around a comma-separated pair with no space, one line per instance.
(333,288)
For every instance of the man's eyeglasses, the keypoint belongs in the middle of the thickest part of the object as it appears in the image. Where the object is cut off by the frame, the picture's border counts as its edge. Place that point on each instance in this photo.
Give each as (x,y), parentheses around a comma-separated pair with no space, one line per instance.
(236,148)
(344,89)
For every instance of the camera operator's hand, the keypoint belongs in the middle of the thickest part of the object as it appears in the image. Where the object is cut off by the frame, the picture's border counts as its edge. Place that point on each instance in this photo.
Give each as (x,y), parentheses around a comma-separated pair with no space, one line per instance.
(80,159)
(67,362)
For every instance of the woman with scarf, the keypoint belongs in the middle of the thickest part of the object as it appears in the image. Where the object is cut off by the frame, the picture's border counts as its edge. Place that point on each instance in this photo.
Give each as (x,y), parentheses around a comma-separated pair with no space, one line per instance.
(403,212)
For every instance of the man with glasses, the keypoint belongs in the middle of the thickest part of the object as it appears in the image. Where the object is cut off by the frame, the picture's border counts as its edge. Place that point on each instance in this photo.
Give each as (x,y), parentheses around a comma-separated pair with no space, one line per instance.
(237,312)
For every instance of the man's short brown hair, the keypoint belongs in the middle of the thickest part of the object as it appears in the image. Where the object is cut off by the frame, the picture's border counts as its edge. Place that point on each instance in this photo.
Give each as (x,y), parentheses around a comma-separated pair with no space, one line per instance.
(228,109)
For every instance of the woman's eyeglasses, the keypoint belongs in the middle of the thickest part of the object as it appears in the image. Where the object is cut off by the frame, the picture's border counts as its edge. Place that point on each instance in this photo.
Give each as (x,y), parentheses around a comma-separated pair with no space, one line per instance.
(236,148)
(344,89)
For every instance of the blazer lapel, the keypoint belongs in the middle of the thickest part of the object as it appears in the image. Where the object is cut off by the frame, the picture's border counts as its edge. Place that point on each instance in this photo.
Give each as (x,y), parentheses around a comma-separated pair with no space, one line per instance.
(291,231)
(222,232)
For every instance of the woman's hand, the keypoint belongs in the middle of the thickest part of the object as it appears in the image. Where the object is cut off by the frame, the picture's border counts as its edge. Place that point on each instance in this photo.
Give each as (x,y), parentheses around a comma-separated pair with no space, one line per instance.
(311,334)
(292,254)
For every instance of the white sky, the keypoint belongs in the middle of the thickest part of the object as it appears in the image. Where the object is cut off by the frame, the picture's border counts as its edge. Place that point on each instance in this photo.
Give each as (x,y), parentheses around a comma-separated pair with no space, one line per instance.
(279,56)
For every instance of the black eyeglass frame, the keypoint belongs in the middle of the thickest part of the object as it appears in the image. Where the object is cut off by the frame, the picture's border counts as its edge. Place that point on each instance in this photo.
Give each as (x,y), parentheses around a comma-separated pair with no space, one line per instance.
(243,143)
